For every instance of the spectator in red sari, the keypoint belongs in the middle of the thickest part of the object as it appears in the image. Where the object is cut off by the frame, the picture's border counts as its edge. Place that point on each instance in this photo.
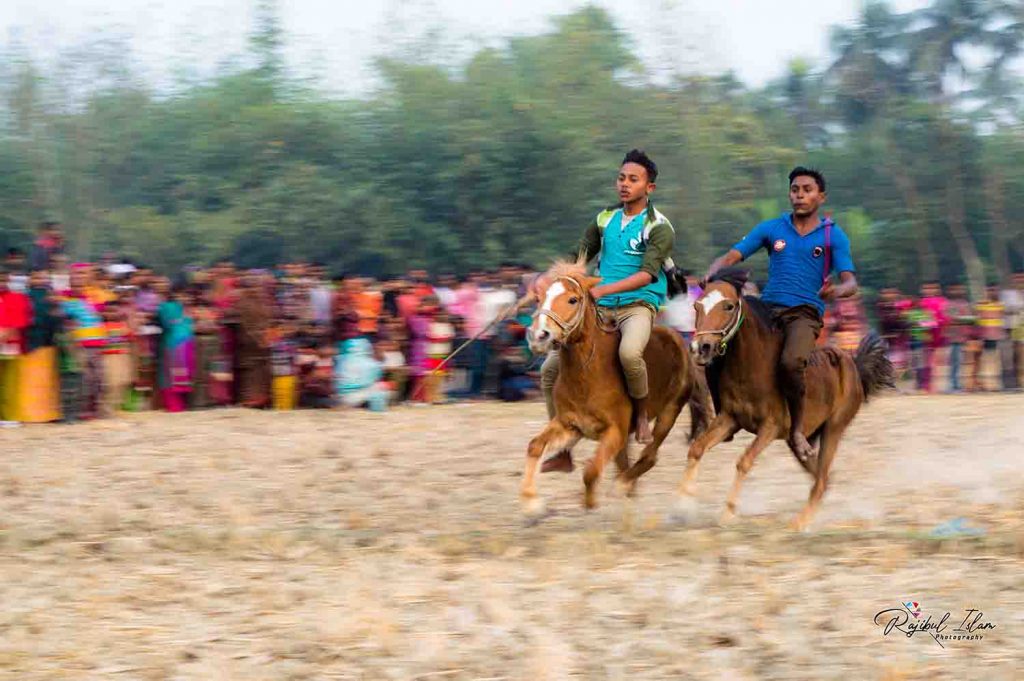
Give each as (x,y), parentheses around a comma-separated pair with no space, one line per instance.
(254,309)
(15,318)
(344,315)
(408,301)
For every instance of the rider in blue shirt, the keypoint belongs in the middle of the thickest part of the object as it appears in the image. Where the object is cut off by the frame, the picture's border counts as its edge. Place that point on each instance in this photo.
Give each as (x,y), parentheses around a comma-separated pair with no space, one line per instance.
(801,246)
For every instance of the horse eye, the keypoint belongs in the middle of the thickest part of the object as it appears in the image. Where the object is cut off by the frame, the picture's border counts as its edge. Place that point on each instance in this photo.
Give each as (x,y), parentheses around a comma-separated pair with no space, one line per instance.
(573,301)
(729,307)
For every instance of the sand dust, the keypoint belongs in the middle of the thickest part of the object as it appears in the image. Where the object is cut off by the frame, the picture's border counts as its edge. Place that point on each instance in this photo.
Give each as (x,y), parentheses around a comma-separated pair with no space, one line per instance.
(348,545)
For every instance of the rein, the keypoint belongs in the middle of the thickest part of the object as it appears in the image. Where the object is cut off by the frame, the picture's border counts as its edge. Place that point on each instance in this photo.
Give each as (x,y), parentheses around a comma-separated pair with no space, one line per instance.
(514,307)
(729,330)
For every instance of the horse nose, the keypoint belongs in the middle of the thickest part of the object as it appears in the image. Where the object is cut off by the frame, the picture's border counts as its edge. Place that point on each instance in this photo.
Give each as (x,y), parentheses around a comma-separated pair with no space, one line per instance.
(705,348)
(542,335)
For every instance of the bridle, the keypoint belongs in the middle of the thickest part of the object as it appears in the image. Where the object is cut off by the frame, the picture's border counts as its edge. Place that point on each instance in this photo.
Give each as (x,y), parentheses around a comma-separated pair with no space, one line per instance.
(568,327)
(729,330)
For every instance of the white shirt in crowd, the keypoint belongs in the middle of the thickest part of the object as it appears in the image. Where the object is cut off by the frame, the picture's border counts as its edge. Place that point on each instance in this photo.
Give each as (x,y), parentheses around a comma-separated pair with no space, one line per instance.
(1013,300)
(18,283)
(393,359)
(441,335)
(680,314)
(492,302)
(60,281)
(445,296)
(320,300)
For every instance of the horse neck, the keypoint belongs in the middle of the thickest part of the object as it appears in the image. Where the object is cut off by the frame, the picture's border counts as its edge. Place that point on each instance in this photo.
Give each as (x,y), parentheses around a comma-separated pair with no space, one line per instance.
(584,355)
(753,348)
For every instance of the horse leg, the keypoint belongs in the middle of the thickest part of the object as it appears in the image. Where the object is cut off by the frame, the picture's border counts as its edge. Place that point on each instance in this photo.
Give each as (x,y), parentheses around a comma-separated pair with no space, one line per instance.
(723,426)
(622,460)
(765,435)
(611,443)
(830,435)
(649,456)
(555,436)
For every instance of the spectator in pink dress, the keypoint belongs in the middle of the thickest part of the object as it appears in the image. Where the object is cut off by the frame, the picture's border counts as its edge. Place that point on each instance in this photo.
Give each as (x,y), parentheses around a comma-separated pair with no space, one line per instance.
(419,342)
(937,305)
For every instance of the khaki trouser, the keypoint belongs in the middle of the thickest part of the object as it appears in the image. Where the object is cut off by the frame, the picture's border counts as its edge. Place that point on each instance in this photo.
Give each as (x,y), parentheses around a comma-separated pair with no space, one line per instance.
(117,378)
(635,323)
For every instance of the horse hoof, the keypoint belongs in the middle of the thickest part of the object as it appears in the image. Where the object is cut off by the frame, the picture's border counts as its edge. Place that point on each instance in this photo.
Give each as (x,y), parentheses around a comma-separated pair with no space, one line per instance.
(727,518)
(533,508)
(625,486)
(798,524)
(685,512)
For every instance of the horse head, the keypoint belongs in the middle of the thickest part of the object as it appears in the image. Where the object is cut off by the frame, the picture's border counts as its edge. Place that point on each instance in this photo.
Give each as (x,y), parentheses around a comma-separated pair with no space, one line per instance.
(563,297)
(719,315)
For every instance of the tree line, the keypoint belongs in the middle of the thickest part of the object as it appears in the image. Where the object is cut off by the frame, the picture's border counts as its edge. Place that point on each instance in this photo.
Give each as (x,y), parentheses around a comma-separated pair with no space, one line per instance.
(914,117)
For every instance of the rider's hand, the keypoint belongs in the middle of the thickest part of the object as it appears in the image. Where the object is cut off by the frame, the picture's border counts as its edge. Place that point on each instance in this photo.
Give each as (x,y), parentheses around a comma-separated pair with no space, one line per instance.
(827,292)
(597,292)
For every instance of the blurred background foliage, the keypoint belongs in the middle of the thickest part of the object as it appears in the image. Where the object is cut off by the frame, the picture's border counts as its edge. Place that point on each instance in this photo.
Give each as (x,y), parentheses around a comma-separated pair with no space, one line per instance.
(915,118)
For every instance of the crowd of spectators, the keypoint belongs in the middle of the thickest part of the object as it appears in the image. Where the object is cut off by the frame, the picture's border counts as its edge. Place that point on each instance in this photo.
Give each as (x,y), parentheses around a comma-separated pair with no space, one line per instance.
(81,341)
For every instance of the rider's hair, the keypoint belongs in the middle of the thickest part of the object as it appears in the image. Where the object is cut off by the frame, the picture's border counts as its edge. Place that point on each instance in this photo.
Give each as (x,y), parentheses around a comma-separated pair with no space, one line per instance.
(640,158)
(800,171)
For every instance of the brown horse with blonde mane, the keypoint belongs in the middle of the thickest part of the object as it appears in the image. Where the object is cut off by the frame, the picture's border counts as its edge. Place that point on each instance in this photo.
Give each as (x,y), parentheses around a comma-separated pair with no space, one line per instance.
(590,395)
(740,347)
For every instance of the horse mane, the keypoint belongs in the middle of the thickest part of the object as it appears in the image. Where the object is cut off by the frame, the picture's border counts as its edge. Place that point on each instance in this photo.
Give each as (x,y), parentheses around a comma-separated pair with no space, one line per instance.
(734,276)
(572,269)
(761,311)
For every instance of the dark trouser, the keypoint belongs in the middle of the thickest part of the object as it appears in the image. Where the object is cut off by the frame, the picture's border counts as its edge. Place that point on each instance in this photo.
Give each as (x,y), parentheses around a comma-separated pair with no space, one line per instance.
(922,353)
(801,326)
(72,396)
(1008,361)
(956,351)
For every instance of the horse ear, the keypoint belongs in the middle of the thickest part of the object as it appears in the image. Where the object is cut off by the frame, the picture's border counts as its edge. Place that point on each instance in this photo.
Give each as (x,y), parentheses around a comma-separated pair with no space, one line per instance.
(592,282)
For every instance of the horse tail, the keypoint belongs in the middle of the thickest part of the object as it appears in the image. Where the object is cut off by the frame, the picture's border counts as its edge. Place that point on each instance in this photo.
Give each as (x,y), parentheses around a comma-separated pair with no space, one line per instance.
(873,365)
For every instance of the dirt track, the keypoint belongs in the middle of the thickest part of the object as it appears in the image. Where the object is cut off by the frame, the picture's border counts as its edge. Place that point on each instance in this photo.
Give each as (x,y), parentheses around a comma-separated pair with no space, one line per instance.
(242,545)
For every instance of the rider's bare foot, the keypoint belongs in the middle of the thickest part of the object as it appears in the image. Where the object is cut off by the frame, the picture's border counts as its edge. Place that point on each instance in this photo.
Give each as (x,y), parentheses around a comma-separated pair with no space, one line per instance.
(801,447)
(559,463)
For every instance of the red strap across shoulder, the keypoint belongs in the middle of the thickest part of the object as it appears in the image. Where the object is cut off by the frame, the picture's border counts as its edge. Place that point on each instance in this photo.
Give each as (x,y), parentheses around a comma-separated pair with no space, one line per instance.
(828,248)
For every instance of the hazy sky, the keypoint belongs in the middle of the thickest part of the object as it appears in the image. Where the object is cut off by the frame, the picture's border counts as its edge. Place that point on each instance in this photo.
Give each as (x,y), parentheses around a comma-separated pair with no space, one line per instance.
(335,40)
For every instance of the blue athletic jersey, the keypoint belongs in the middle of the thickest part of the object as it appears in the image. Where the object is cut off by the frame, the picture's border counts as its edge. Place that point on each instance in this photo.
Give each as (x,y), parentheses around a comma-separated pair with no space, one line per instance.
(796,264)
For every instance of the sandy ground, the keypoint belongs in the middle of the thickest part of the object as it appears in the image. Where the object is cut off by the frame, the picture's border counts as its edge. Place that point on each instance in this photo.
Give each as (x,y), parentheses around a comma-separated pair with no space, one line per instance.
(349,545)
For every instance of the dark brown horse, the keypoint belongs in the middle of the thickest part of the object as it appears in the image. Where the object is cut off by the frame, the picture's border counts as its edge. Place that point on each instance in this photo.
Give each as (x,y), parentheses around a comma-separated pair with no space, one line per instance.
(590,393)
(740,345)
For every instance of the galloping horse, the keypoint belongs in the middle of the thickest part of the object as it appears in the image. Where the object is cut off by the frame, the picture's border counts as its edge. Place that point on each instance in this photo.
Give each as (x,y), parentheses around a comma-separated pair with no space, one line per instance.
(590,393)
(739,344)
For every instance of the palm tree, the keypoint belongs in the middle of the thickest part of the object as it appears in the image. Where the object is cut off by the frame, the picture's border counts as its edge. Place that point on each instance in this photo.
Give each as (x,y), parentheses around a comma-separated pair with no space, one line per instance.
(871,63)
(999,86)
(940,36)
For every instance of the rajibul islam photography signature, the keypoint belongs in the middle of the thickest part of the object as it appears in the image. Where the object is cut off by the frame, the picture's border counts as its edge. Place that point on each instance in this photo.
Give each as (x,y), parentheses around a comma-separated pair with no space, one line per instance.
(908,619)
